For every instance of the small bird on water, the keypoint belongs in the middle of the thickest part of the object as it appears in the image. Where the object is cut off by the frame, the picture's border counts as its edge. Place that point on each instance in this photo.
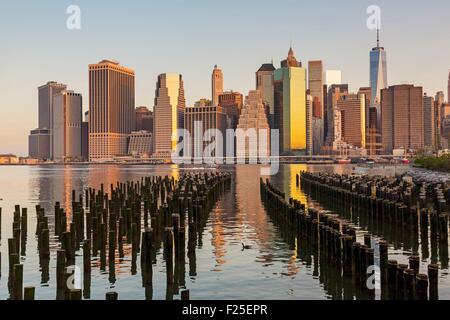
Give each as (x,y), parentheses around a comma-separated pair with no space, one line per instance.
(244,247)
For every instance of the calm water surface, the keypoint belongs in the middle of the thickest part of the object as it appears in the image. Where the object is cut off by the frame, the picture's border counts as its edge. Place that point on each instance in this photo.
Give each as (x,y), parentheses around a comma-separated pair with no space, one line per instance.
(274,268)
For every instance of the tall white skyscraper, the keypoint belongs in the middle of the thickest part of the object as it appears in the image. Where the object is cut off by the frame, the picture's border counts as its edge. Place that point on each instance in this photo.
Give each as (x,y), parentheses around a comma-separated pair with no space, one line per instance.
(378,76)
(331,77)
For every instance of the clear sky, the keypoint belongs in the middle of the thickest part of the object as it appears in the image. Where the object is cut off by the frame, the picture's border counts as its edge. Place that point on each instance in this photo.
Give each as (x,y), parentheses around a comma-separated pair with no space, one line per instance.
(190,36)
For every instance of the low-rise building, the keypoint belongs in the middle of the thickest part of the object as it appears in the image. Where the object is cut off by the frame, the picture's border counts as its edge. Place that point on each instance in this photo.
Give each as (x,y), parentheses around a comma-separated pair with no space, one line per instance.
(140,144)
(8,159)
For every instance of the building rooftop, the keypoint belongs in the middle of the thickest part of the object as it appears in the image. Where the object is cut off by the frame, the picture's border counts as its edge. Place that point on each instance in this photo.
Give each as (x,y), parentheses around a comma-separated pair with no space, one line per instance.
(109,61)
(267,67)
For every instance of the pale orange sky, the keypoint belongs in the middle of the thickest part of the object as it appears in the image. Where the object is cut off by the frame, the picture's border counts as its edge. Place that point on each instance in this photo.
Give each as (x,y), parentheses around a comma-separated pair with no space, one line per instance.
(190,37)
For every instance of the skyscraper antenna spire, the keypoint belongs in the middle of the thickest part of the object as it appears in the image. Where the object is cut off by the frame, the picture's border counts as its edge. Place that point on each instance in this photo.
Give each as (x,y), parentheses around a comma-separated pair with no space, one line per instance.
(378,37)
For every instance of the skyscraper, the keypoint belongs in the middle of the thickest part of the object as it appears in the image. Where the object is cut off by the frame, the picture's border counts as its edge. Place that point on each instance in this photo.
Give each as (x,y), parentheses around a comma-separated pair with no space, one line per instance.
(353,119)
(309,125)
(332,77)
(264,83)
(402,117)
(429,121)
(144,119)
(290,104)
(231,103)
(315,81)
(445,125)
(429,126)
(85,137)
(315,84)
(216,85)
(168,113)
(334,133)
(373,137)
(253,116)
(440,98)
(67,126)
(111,109)
(46,93)
(378,76)
(39,144)
(448,88)
(207,117)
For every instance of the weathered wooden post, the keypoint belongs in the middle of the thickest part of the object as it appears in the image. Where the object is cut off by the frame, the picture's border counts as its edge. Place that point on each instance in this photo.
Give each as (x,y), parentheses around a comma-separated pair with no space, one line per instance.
(146,257)
(45,247)
(370,266)
(433,273)
(168,253)
(357,261)
(422,287)
(367,240)
(401,281)
(392,278)
(383,249)
(112,296)
(60,269)
(87,257)
(18,282)
(185,295)
(414,263)
(75,294)
(29,293)
(363,265)
(409,277)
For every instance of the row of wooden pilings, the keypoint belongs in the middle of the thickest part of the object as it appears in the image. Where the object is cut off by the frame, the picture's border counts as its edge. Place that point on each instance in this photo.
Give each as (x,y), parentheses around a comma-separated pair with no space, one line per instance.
(389,200)
(383,212)
(140,216)
(336,242)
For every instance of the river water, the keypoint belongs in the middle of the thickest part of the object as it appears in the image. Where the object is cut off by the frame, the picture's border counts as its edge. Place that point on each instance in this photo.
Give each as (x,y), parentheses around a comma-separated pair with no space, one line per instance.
(274,267)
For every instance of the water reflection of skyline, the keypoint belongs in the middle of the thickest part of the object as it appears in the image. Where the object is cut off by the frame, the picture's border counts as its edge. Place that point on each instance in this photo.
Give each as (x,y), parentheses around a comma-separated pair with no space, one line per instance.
(272,263)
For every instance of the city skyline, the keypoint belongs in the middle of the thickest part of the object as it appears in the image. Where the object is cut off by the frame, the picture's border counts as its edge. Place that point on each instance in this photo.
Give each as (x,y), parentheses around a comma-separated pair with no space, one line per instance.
(184,52)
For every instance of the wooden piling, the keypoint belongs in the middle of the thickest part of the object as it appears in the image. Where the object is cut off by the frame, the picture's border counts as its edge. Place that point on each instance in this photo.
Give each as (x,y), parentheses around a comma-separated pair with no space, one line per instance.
(422,287)
(433,273)
(392,278)
(87,257)
(409,283)
(414,263)
(383,250)
(185,295)
(75,294)
(112,296)
(60,269)
(29,293)
(18,282)
(168,253)
(401,281)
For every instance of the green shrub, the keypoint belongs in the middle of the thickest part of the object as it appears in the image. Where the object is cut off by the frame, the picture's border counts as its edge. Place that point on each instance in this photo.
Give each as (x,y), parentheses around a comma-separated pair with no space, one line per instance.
(434,163)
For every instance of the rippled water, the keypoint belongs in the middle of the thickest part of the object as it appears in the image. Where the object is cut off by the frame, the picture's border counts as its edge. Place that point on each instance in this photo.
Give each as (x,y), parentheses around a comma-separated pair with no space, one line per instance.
(275,267)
